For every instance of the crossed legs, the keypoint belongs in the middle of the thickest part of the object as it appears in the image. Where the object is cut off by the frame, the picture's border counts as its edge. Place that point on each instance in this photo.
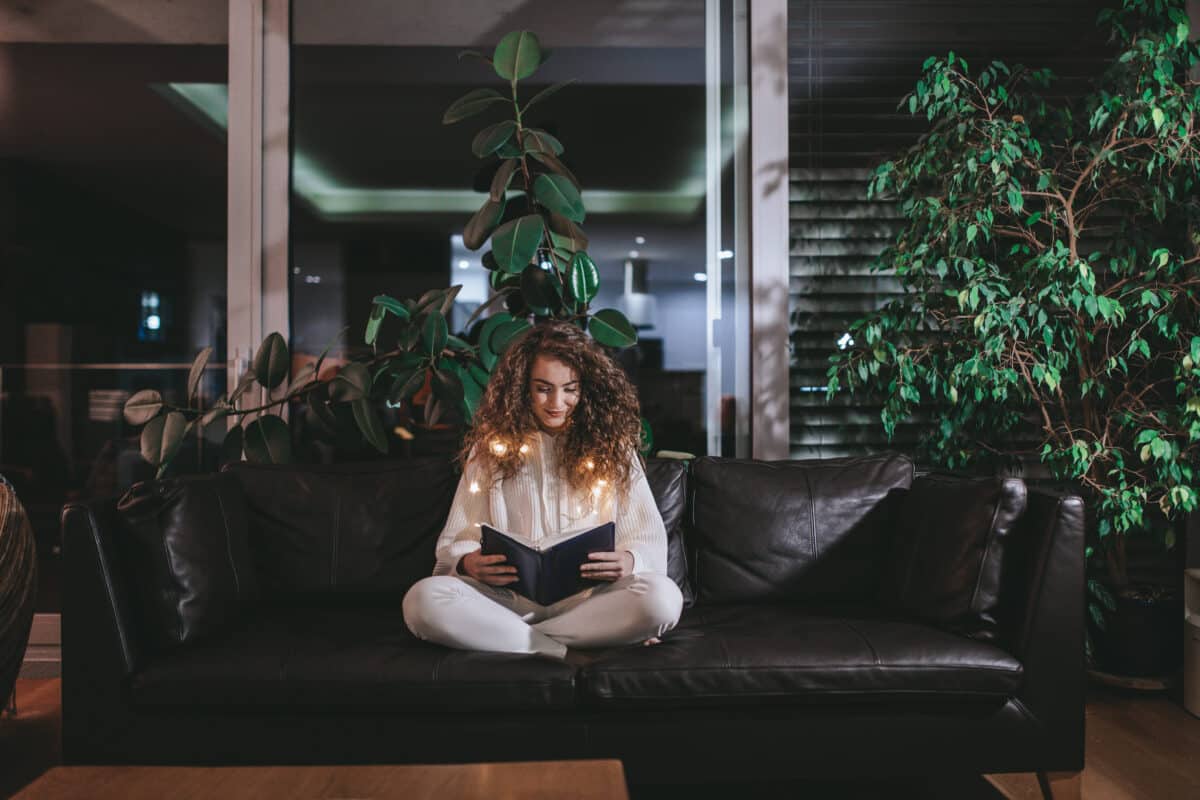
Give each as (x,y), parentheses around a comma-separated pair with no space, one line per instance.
(463,613)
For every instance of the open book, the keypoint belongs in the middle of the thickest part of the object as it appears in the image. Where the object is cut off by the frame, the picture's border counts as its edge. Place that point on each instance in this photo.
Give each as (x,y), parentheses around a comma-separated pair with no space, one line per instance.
(548,570)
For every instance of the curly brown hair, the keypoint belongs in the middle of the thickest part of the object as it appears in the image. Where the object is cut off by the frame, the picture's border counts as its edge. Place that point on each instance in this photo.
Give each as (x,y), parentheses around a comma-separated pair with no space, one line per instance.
(602,432)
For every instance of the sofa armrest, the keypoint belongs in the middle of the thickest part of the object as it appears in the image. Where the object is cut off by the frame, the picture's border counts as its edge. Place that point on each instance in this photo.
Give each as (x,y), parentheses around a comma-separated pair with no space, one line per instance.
(99,638)
(1043,617)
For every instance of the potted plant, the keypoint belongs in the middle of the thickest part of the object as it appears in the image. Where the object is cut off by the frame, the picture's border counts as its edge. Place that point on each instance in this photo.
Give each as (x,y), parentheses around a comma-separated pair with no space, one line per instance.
(1050,263)
(539,267)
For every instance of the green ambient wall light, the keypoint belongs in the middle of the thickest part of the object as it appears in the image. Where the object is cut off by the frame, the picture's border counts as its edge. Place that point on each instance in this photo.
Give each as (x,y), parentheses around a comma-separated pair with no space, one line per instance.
(209,103)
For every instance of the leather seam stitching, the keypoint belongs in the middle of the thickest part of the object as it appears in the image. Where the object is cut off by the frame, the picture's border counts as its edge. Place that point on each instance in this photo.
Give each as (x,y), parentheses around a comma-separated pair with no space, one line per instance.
(987,549)
(852,668)
(237,581)
(866,641)
(112,597)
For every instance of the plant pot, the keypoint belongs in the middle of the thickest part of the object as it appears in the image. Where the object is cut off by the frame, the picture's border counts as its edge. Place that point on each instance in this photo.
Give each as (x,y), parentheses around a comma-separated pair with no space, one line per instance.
(1143,635)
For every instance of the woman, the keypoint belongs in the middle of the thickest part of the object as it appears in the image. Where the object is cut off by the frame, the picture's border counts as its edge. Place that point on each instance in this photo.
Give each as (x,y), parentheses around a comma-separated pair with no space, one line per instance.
(554,448)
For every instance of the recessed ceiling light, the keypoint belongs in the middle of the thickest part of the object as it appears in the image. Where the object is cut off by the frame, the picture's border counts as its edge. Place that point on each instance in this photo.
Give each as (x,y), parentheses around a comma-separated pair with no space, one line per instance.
(634,254)
(639,240)
(700,276)
(725,254)
(463,264)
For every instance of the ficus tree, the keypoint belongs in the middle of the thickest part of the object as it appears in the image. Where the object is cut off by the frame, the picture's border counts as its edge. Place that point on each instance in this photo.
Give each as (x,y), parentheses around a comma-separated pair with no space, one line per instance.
(539,267)
(1050,262)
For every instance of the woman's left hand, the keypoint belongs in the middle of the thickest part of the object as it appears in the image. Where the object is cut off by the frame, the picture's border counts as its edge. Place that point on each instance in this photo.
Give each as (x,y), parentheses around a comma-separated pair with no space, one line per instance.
(608,566)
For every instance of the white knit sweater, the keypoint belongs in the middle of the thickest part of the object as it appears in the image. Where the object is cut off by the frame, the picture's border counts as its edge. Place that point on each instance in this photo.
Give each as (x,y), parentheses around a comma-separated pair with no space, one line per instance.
(536,502)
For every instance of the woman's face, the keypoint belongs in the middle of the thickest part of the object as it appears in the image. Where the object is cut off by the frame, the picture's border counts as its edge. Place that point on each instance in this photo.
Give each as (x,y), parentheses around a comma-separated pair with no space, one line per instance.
(553,392)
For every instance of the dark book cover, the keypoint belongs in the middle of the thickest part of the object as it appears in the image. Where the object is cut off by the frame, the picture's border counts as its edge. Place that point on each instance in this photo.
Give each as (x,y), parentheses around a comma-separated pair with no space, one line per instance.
(548,574)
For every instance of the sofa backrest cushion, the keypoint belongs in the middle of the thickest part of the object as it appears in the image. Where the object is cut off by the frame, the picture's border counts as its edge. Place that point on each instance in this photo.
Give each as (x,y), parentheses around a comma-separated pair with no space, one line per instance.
(364,527)
(763,530)
(668,482)
(948,551)
(186,543)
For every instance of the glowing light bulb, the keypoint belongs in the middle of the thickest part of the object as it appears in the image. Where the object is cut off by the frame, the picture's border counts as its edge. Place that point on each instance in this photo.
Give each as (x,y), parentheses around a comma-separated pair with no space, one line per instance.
(589,464)
(499,448)
(523,449)
(603,482)
(474,487)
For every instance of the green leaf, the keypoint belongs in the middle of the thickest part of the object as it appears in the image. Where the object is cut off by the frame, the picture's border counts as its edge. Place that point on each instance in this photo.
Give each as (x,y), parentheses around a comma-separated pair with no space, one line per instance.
(351,383)
(303,379)
(489,140)
(538,288)
(268,441)
(584,278)
(272,362)
(406,385)
(391,304)
(481,224)
(231,445)
(544,93)
(162,437)
(507,333)
(373,322)
(197,371)
(448,387)
(470,104)
(143,406)
(213,414)
(502,178)
(610,327)
(538,141)
(369,423)
(972,232)
(515,242)
(559,195)
(434,333)
(566,235)
(455,343)
(553,163)
(487,355)
(1158,117)
(247,380)
(517,55)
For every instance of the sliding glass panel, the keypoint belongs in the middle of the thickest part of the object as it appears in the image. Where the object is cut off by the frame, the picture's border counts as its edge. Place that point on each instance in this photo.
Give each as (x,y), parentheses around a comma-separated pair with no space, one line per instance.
(112,238)
(381,189)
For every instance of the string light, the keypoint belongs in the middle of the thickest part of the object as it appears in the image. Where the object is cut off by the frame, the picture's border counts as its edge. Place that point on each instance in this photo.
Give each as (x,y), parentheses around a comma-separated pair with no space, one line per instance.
(474,487)
(589,464)
(523,449)
(499,448)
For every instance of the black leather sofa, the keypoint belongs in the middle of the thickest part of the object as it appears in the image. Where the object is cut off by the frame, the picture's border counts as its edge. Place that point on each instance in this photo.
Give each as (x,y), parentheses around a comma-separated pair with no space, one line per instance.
(787,660)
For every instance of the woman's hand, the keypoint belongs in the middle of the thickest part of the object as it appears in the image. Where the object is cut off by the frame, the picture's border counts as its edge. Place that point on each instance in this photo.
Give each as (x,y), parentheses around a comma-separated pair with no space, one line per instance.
(608,566)
(488,569)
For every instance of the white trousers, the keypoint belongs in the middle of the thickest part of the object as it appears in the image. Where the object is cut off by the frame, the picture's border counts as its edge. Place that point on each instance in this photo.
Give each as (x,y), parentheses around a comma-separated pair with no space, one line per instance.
(459,611)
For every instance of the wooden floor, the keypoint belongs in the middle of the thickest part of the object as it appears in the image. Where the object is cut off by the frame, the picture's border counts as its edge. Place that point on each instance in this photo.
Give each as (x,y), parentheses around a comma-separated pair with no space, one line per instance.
(1138,747)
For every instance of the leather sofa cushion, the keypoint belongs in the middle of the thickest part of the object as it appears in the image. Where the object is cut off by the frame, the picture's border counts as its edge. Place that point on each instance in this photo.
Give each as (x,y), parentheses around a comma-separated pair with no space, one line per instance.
(774,529)
(948,553)
(346,652)
(779,653)
(668,482)
(184,541)
(346,527)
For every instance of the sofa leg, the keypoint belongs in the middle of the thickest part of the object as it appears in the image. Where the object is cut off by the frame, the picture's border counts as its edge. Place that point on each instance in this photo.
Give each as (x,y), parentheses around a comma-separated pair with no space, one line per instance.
(1061,785)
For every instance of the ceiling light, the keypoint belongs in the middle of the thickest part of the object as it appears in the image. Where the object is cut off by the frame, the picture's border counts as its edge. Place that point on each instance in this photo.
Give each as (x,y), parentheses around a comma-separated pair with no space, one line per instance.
(463,264)
(153,322)
(700,276)
(639,240)
(724,254)
(634,254)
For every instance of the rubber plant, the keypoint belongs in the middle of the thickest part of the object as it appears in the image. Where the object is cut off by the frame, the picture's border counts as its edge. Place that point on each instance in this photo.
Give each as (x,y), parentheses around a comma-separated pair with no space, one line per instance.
(1049,257)
(539,268)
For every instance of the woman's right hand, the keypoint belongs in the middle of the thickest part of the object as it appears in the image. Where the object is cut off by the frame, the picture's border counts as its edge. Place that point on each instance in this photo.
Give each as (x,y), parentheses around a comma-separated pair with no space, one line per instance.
(488,569)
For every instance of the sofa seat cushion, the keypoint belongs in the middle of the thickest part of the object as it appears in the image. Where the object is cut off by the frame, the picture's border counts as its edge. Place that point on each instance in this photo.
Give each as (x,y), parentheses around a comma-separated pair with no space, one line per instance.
(347,656)
(779,653)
